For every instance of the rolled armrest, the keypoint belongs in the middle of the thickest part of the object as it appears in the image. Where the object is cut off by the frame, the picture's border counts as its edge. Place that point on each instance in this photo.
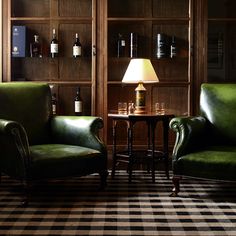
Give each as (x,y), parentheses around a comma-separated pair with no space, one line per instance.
(6,126)
(190,134)
(78,130)
(15,131)
(14,148)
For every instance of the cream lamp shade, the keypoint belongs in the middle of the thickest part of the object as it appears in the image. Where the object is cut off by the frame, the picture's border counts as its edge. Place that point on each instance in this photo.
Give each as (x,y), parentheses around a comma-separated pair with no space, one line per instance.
(140,71)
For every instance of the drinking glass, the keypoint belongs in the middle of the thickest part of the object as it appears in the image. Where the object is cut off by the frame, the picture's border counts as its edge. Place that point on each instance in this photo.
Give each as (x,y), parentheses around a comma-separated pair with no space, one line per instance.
(122,108)
(160,108)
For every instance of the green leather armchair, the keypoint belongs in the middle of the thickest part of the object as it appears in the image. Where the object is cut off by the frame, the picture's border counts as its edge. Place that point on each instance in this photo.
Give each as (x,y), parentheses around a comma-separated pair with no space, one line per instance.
(205,145)
(36,145)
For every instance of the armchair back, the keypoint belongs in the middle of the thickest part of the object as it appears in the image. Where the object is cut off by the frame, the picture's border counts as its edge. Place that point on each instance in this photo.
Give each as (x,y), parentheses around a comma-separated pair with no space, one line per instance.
(218,105)
(30,107)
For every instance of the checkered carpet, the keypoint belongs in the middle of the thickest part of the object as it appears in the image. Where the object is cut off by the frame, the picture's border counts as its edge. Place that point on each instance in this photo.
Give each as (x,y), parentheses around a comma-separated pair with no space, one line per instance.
(75,207)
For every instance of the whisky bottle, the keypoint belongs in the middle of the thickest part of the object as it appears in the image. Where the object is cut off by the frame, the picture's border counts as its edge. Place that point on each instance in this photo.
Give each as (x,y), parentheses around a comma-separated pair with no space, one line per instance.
(78,103)
(77,47)
(120,46)
(54,45)
(161,46)
(54,104)
(36,47)
(133,45)
(173,49)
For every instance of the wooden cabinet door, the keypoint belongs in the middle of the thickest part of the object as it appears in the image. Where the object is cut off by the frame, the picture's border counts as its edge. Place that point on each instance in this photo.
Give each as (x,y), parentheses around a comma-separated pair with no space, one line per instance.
(63,73)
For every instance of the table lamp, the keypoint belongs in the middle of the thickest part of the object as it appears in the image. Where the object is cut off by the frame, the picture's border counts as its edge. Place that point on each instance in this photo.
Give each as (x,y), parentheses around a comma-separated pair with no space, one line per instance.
(140,71)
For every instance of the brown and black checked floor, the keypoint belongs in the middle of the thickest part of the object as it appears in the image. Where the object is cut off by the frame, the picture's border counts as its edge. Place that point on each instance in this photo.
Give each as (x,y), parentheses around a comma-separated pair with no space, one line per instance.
(75,207)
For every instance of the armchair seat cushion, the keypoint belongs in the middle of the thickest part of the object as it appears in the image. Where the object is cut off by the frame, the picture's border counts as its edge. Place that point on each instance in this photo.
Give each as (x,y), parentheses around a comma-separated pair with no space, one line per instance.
(214,162)
(60,160)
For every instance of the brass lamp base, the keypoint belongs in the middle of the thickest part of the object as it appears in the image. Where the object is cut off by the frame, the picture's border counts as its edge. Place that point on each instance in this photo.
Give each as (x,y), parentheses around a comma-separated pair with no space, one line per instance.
(140,107)
(140,110)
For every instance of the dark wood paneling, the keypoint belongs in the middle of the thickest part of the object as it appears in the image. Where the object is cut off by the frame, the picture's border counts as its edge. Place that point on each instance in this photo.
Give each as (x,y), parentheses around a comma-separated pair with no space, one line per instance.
(33,8)
(75,69)
(32,69)
(171,70)
(129,8)
(75,8)
(170,8)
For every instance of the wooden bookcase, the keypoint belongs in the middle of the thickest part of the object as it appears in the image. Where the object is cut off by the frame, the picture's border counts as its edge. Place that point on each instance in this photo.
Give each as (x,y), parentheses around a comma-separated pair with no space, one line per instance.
(148,18)
(65,73)
(99,72)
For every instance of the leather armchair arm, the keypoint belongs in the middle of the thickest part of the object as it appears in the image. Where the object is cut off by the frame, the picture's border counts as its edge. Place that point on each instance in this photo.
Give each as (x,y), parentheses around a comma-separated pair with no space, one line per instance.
(78,130)
(190,134)
(14,145)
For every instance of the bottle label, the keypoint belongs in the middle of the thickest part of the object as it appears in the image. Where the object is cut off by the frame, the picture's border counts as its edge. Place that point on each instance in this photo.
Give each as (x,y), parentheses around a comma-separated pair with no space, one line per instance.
(123,43)
(35,50)
(76,51)
(54,109)
(78,106)
(173,51)
(161,53)
(54,48)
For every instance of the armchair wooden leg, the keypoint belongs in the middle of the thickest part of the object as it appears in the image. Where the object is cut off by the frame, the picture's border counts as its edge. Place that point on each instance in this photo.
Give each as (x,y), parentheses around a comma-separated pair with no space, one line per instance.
(176,189)
(26,189)
(103,179)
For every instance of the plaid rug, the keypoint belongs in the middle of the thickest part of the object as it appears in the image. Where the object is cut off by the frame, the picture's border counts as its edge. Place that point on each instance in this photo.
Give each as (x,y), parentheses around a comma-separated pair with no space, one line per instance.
(75,207)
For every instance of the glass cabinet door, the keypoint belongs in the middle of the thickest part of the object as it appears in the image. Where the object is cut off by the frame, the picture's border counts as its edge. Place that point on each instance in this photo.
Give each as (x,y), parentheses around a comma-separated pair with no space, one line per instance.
(170,20)
(221,41)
